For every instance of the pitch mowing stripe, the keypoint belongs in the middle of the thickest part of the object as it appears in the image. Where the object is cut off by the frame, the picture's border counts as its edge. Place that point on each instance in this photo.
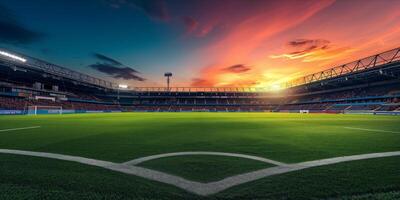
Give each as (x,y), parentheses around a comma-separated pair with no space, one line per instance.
(370,130)
(17,129)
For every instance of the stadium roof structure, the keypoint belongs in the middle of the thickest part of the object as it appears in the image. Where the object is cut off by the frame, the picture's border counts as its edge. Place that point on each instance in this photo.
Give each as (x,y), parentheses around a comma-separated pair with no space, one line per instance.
(364,64)
(385,73)
(16,61)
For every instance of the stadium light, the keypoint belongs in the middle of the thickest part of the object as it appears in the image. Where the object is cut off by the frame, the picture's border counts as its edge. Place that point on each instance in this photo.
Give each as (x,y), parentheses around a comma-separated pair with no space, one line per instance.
(121,86)
(9,55)
(168,75)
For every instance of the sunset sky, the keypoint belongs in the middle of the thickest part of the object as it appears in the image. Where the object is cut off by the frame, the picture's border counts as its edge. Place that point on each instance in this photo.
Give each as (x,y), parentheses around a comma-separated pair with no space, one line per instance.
(220,43)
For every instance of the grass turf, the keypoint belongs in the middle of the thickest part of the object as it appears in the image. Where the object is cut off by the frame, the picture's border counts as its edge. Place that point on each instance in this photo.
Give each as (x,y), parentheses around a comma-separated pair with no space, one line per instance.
(204,168)
(368,179)
(24,177)
(124,136)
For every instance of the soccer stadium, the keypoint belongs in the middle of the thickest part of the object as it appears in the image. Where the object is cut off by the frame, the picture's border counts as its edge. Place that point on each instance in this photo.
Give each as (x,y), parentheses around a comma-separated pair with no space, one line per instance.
(329,132)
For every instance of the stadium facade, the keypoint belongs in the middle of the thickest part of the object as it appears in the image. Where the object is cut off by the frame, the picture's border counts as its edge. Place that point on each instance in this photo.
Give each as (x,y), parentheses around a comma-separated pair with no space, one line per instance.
(370,85)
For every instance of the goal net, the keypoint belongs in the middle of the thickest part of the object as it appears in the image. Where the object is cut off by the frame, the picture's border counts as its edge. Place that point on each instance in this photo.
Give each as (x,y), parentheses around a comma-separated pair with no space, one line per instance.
(37,110)
(304,111)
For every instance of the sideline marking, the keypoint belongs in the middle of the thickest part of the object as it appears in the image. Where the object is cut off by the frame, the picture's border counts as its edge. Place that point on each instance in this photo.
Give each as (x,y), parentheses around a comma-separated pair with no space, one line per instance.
(198,188)
(370,130)
(17,129)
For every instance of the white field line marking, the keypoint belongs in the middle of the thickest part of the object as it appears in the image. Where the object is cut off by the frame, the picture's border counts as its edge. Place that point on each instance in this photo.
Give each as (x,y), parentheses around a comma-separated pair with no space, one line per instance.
(17,129)
(370,130)
(196,187)
(148,158)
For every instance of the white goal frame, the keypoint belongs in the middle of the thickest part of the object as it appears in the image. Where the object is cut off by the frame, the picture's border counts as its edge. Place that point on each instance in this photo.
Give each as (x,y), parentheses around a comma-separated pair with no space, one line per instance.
(33,110)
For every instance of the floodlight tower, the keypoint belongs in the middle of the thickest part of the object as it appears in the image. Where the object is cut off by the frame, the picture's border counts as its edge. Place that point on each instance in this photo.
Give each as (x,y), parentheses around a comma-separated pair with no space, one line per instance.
(121,86)
(168,75)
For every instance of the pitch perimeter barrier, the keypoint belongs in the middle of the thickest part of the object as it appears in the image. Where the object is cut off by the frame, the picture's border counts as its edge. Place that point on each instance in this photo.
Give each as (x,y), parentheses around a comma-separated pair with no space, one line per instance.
(68,111)
(11,112)
(369,112)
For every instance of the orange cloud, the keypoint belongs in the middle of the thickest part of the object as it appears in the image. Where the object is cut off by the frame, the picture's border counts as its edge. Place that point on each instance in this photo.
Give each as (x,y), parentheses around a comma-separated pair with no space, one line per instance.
(197,82)
(237,68)
(309,50)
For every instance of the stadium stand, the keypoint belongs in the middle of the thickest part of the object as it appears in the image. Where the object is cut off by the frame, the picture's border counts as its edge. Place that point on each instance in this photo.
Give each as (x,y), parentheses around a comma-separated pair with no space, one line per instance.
(369,85)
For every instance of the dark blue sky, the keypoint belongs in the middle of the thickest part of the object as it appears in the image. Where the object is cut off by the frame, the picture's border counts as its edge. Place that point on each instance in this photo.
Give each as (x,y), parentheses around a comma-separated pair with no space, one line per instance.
(69,32)
(203,42)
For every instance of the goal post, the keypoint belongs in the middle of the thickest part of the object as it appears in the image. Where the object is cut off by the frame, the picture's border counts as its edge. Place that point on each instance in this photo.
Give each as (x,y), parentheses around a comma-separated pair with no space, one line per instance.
(37,110)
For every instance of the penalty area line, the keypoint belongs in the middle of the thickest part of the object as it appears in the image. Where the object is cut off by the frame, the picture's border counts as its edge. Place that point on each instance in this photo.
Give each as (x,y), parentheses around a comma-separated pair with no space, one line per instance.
(370,130)
(17,129)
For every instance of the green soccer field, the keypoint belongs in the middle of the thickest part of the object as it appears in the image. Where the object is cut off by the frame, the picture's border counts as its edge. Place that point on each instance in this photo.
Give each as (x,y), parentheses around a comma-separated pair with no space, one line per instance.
(288,139)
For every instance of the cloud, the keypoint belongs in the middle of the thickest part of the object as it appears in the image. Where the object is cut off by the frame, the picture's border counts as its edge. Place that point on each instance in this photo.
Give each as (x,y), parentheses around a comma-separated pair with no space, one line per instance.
(156,9)
(305,46)
(12,32)
(312,50)
(198,82)
(240,68)
(308,42)
(126,73)
(106,59)
(300,48)
(115,68)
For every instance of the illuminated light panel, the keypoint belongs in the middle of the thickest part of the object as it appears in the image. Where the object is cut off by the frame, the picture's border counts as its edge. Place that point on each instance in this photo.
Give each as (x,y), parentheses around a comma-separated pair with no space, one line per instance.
(123,86)
(12,56)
